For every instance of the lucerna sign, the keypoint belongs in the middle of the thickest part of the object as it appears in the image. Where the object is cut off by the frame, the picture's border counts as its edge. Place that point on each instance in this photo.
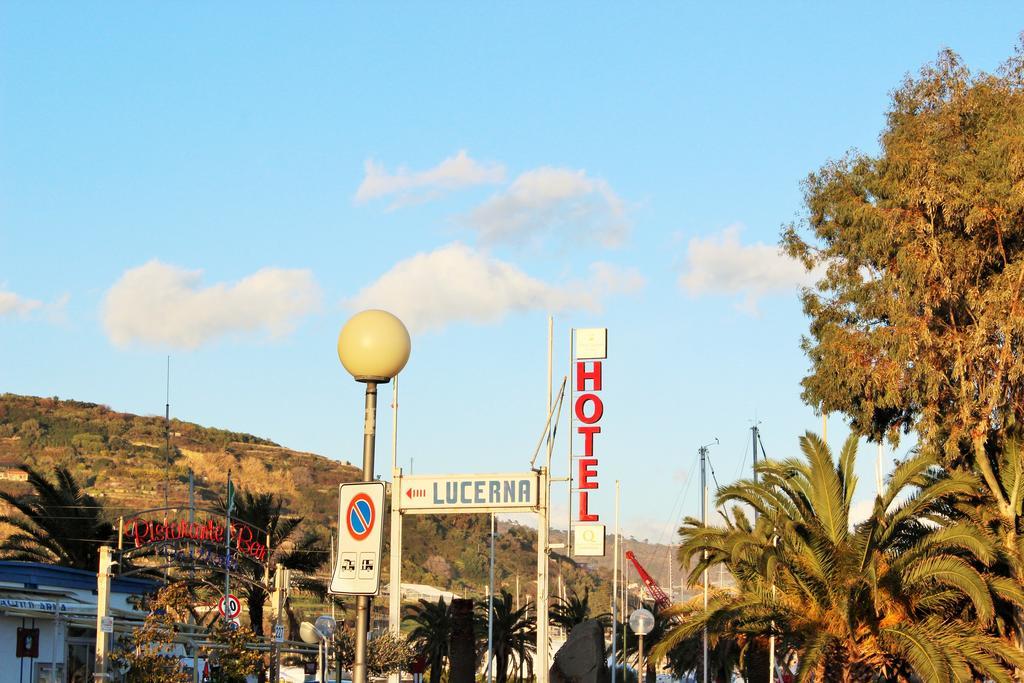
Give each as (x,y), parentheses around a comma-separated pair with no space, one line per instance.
(462,493)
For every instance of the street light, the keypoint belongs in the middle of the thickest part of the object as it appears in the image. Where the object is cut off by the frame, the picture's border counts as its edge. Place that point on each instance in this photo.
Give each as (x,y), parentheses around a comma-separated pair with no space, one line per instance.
(641,621)
(373,346)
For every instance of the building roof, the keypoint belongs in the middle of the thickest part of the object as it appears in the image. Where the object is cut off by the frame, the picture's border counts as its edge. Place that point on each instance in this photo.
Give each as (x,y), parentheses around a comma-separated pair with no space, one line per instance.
(32,575)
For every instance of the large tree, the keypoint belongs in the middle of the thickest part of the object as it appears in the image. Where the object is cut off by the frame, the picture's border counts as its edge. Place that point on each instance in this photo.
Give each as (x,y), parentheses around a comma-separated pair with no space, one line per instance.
(917,323)
(57,523)
(918,320)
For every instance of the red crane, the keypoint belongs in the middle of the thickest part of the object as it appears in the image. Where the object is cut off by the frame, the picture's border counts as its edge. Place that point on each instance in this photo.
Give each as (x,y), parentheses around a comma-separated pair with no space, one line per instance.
(655,591)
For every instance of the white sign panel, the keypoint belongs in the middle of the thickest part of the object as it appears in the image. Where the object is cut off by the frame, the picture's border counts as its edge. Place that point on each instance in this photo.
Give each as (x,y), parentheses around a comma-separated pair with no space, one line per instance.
(588,540)
(107,624)
(360,539)
(591,343)
(468,493)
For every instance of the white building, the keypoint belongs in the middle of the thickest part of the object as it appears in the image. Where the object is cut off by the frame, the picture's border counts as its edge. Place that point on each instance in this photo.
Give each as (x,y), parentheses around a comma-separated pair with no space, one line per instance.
(52,610)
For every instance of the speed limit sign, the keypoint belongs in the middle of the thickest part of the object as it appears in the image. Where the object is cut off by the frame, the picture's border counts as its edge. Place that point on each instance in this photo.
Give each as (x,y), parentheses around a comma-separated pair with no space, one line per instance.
(229,607)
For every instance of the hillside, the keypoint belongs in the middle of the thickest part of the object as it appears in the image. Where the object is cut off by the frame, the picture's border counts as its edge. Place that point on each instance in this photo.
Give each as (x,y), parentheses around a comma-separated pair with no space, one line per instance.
(121,459)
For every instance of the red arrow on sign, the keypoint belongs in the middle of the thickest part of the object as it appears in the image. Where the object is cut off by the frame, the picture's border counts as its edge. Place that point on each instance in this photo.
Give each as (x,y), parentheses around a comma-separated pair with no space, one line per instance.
(415,493)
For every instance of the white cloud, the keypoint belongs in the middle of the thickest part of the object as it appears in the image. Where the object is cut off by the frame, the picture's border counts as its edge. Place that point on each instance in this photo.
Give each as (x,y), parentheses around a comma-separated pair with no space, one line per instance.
(161,304)
(456,283)
(548,200)
(411,187)
(720,264)
(12,304)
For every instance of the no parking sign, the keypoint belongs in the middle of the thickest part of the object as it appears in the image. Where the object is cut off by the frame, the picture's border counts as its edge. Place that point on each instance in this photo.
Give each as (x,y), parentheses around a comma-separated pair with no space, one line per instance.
(360,539)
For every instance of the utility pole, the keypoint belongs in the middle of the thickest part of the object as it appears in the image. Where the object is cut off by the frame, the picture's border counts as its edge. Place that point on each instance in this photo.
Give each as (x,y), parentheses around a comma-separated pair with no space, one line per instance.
(703,451)
(102,612)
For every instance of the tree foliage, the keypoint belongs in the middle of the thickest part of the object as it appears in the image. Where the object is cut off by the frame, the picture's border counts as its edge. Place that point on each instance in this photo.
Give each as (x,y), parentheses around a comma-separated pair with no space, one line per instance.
(514,634)
(908,592)
(150,651)
(918,319)
(57,523)
(431,633)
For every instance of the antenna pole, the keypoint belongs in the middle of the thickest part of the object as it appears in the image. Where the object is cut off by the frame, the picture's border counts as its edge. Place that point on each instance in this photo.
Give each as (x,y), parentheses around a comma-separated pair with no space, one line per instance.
(167,439)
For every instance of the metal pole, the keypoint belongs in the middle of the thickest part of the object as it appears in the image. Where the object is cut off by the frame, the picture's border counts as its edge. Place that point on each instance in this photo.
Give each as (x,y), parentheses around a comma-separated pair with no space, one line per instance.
(625,611)
(395,592)
(227,547)
(572,389)
(703,522)
(543,513)
(167,439)
(615,581)
(753,439)
(640,671)
(363,601)
(490,612)
(280,588)
(102,610)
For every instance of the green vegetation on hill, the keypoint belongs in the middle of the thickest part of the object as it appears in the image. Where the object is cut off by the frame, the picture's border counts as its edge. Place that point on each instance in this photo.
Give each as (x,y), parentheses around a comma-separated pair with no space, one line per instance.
(121,460)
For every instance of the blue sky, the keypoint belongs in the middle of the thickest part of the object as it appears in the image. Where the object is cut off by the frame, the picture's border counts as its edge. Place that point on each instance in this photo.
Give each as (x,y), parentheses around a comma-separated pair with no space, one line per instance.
(226,183)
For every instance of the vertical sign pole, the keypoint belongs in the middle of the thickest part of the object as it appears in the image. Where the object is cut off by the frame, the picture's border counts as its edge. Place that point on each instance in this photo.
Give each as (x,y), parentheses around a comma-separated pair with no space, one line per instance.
(490,613)
(615,581)
(542,577)
(395,595)
(572,402)
(363,601)
(227,544)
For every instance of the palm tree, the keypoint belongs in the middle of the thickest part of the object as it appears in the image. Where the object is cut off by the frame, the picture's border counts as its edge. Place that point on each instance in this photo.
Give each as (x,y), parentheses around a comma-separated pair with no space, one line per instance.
(572,610)
(903,594)
(432,633)
(307,555)
(58,523)
(514,634)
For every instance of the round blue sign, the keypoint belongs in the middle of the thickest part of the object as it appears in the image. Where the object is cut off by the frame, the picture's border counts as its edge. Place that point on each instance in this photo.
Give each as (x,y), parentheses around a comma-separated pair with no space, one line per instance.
(360,516)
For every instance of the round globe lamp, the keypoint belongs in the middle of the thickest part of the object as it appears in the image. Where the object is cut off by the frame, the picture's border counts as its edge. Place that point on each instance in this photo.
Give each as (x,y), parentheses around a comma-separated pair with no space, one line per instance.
(374,346)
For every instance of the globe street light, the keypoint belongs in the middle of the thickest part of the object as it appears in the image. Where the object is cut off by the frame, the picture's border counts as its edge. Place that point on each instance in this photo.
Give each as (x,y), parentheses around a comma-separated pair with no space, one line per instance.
(641,621)
(373,346)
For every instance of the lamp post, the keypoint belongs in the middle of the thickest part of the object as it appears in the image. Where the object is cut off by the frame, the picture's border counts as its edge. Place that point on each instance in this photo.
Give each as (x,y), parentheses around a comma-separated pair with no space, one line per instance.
(373,346)
(642,623)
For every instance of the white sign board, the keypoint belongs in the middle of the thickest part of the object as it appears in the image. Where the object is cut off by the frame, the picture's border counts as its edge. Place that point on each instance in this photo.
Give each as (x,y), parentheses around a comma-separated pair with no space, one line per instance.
(467,493)
(591,343)
(360,539)
(588,540)
(107,624)
(279,633)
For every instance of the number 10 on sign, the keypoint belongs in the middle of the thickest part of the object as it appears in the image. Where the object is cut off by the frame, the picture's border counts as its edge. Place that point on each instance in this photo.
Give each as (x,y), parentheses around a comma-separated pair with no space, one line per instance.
(360,539)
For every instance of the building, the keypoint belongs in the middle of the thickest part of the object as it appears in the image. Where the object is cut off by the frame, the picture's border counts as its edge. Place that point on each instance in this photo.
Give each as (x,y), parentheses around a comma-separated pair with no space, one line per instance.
(48,620)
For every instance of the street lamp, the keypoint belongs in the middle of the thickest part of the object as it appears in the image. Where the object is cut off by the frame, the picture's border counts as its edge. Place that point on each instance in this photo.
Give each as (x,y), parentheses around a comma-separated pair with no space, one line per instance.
(373,346)
(641,621)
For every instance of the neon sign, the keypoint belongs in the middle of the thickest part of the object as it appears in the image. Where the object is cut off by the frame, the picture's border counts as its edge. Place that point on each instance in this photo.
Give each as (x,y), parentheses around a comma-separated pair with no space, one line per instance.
(143,533)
